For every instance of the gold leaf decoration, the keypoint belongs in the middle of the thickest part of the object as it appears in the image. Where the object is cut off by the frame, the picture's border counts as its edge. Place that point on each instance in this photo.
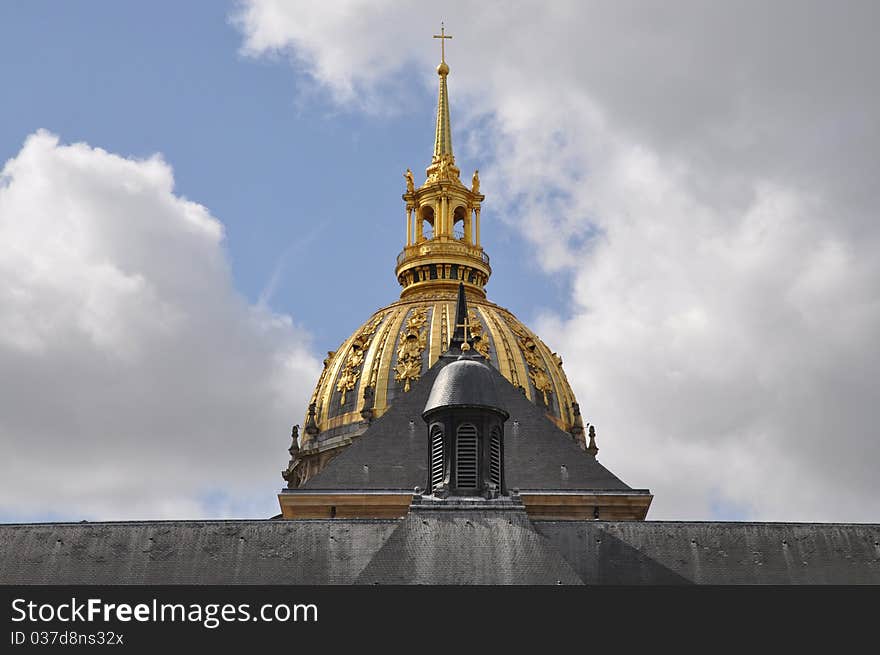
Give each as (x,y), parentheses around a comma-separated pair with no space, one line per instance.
(355,359)
(478,334)
(411,345)
(537,370)
(444,331)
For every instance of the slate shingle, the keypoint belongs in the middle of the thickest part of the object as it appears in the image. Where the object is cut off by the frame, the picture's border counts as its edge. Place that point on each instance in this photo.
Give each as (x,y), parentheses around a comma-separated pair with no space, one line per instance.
(394,448)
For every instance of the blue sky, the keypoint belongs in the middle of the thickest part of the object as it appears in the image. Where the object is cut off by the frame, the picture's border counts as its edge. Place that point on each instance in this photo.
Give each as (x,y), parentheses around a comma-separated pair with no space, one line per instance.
(302,187)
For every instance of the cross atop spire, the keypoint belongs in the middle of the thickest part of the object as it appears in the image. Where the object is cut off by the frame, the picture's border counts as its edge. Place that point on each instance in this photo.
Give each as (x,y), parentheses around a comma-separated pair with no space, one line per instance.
(442,36)
(443,134)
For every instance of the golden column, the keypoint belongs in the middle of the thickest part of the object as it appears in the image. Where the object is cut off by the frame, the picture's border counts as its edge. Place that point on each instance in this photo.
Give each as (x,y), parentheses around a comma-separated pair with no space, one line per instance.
(477,225)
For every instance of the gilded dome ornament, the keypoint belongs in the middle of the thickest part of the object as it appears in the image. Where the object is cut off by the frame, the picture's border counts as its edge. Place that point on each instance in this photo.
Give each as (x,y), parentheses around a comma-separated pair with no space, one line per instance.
(413,339)
(537,371)
(355,360)
(542,382)
(480,344)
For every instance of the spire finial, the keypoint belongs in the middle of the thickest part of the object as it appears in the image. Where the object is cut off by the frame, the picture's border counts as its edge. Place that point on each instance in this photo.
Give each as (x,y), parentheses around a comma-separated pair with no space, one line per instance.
(443,135)
(592,449)
(442,36)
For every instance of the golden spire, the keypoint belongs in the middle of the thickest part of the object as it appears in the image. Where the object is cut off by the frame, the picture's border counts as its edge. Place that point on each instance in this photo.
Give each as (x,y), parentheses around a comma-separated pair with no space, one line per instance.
(443,135)
(442,217)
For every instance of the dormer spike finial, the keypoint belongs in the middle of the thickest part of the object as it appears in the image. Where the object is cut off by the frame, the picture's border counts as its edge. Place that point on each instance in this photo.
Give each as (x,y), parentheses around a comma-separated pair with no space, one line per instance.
(460,335)
(592,449)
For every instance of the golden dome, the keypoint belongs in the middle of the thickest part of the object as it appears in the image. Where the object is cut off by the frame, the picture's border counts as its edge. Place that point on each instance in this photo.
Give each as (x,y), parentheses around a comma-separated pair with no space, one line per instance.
(398,343)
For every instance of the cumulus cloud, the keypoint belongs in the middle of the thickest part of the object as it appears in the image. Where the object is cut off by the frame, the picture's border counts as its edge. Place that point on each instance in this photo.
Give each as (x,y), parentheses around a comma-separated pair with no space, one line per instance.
(136,382)
(706,175)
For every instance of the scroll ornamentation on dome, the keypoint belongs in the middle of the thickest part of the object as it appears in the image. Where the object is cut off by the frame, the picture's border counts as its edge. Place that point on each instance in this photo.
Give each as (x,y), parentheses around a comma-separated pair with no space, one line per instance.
(539,376)
(412,343)
(327,360)
(537,371)
(352,370)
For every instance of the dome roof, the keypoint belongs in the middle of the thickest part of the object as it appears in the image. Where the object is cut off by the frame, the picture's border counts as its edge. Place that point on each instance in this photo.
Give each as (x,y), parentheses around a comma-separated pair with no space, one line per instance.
(399,343)
(464,383)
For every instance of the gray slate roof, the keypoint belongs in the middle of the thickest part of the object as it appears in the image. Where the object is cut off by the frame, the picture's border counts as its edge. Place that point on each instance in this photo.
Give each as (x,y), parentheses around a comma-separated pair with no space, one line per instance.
(672,552)
(392,453)
(190,552)
(465,382)
(437,547)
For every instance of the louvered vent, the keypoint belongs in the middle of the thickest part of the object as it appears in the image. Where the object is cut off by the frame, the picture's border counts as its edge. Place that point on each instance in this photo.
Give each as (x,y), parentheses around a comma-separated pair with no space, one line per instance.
(495,457)
(436,456)
(466,457)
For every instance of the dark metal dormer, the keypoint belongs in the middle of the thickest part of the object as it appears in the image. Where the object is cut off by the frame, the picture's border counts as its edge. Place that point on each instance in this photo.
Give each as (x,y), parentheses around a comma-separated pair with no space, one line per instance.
(465,432)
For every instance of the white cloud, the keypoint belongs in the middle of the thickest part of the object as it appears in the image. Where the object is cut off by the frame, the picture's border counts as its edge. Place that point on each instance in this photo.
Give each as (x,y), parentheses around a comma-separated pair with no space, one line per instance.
(707,175)
(136,382)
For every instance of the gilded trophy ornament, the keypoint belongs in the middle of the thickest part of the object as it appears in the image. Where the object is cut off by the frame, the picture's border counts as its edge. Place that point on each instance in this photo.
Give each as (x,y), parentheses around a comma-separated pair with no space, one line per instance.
(355,360)
(542,382)
(480,342)
(537,371)
(412,343)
